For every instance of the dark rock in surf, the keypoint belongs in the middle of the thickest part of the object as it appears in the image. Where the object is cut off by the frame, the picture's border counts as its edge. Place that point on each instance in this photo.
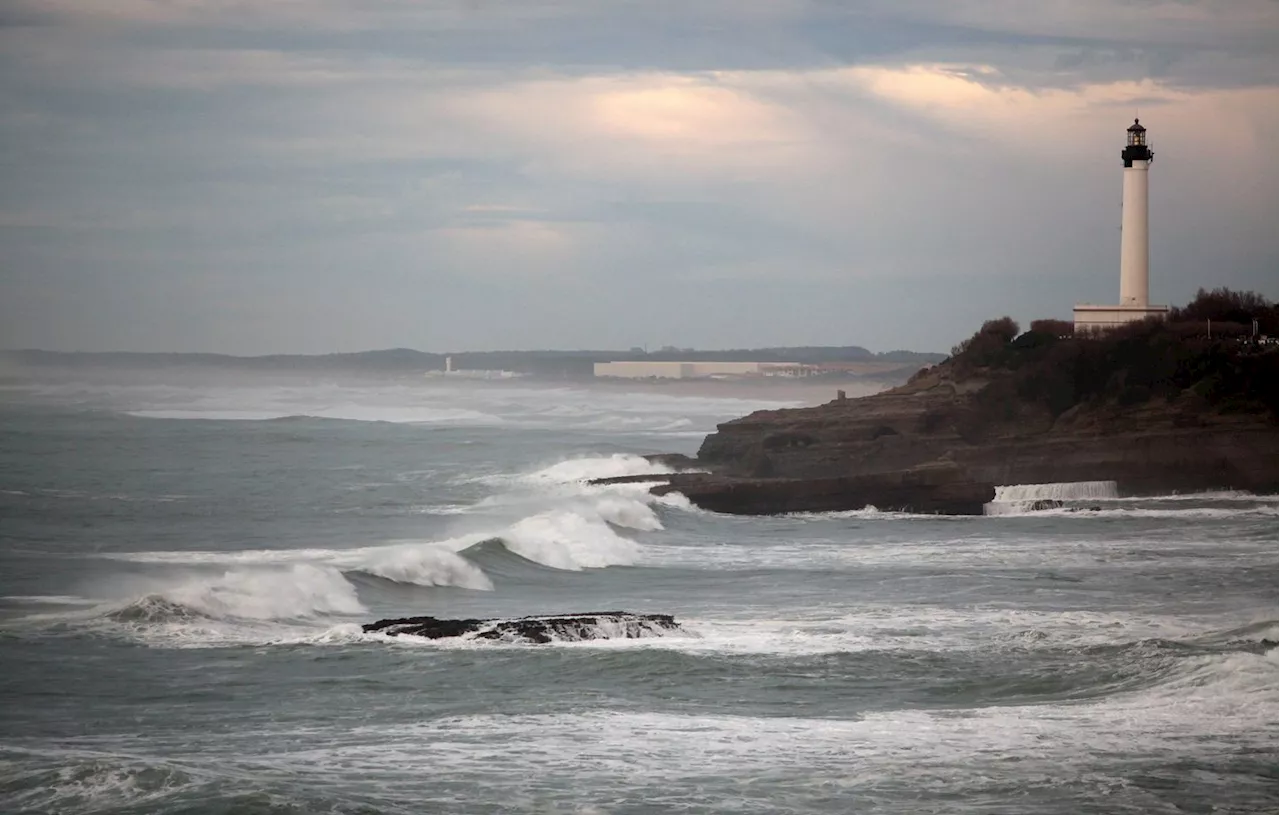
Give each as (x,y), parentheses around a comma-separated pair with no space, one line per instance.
(593,625)
(1045,503)
(676,461)
(643,478)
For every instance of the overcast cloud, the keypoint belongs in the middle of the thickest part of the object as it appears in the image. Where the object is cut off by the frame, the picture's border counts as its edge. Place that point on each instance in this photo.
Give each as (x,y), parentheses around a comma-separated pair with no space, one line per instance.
(339,175)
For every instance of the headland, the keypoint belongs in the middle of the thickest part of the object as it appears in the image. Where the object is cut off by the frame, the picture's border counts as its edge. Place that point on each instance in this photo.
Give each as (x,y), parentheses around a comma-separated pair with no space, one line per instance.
(1156,406)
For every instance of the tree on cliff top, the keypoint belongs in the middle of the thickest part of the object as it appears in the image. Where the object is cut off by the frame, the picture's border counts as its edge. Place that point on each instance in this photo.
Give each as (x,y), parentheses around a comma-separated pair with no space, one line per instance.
(1223,305)
(1131,365)
(991,338)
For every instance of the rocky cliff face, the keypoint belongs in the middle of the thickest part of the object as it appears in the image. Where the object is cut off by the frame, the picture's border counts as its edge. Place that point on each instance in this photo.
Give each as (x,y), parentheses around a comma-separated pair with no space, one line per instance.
(943,441)
(1154,447)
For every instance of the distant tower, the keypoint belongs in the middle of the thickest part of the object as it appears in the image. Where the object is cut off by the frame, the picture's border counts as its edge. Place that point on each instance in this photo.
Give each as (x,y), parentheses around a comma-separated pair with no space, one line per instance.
(1134,255)
(1134,252)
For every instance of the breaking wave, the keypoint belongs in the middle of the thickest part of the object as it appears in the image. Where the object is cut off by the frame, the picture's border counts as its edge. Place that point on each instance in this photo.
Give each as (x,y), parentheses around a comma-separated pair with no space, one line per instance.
(558,522)
(588,468)
(300,592)
(570,541)
(423,565)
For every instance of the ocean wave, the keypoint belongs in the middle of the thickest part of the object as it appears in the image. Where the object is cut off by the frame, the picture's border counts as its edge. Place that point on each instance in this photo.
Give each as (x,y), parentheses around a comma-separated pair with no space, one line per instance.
(421,564)
(47,599)
(570,541)
(870,512)
(553,520)
(299,592)
(588,468)
(934,630)
(580,535)
(81,781)
(350,413)
(1216,704)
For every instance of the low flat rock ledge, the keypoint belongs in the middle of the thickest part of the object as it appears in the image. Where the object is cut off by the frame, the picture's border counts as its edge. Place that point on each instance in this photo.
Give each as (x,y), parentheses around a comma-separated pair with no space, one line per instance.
(927,490)
(592,625)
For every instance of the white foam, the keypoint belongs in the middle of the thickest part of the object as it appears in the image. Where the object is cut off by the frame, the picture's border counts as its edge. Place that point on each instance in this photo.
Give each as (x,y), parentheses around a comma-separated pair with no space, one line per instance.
(251,604)
(422,564)
(1212,704)
(587,468)
(92,781)
(925,629)
(578,533)
(1174,513)
(1020,498)
(625,511)
(567,540)
(870,512)
(49,599)
(678,500)
(301,591)
(1065,491)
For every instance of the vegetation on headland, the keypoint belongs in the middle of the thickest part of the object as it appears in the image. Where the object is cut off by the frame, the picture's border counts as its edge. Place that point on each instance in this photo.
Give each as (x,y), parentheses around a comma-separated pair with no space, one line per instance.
(1208,350)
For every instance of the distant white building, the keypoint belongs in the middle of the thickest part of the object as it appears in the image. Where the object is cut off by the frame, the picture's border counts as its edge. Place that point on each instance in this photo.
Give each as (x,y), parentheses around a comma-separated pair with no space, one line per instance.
(473,373)
(698,370)
(1134,246)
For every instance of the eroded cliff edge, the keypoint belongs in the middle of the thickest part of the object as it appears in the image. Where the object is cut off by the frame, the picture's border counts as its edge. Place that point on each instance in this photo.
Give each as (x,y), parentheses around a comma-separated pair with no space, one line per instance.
(1156,407)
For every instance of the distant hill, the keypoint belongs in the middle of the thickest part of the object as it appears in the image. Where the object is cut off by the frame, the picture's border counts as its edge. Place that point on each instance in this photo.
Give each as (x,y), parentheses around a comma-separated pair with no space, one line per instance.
(559,364)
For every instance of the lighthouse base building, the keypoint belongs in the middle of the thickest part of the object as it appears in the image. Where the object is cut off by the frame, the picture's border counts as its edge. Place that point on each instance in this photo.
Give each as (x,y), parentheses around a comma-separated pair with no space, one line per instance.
(1134,246)
(1090,319)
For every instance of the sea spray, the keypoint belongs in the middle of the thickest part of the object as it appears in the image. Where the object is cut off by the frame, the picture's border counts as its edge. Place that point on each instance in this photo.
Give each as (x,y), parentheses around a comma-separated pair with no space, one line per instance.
(1018,498)
(300,591)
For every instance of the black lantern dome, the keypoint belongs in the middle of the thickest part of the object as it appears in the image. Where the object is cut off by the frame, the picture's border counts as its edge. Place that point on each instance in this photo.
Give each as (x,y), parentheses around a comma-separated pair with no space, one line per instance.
(1136,148)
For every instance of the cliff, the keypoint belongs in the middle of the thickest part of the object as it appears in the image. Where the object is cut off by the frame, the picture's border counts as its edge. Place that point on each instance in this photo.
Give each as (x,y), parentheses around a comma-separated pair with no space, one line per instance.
(1157,408)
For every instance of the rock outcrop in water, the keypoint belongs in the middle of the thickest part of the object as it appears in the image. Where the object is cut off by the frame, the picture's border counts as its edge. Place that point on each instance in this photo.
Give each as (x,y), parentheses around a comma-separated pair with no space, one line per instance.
(594,625)
(1156,408)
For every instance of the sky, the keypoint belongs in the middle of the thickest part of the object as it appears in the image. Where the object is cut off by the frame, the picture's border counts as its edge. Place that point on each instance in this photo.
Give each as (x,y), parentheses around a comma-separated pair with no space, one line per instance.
(311,176)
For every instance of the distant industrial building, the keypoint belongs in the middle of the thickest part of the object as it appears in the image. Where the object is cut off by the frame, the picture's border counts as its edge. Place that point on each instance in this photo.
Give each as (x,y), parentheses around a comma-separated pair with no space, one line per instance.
(700,370)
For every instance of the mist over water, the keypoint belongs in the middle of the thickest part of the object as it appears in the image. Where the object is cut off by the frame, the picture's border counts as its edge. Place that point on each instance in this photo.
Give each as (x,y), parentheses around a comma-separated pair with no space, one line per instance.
(185,565)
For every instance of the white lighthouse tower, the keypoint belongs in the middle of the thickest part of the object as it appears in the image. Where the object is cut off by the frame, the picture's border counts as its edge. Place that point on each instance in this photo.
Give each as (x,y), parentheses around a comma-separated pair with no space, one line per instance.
(1134,245)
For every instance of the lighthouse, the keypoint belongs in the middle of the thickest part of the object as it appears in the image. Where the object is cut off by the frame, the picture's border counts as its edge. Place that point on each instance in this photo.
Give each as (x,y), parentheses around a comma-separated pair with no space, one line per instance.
(1134,244)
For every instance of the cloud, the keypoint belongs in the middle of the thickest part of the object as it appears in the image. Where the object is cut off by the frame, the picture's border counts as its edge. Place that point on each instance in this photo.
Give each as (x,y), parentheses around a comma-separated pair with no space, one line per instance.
(565,157)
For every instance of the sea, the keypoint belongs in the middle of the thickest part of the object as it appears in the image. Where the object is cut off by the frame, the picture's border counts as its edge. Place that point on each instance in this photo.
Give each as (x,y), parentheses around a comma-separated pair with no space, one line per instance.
(186,560)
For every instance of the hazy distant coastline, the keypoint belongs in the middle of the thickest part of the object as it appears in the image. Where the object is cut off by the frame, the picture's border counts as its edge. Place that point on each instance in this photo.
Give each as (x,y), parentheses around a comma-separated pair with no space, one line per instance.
(859,362)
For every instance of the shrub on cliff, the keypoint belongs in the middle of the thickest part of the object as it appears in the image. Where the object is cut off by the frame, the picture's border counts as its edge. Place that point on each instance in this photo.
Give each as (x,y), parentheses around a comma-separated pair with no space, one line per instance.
(988,345)
(1131,365)
(1055,328)
(1221,306)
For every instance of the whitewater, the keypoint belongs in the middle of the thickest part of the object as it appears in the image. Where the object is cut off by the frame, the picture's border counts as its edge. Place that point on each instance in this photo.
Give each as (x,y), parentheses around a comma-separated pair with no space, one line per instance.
(185,565)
